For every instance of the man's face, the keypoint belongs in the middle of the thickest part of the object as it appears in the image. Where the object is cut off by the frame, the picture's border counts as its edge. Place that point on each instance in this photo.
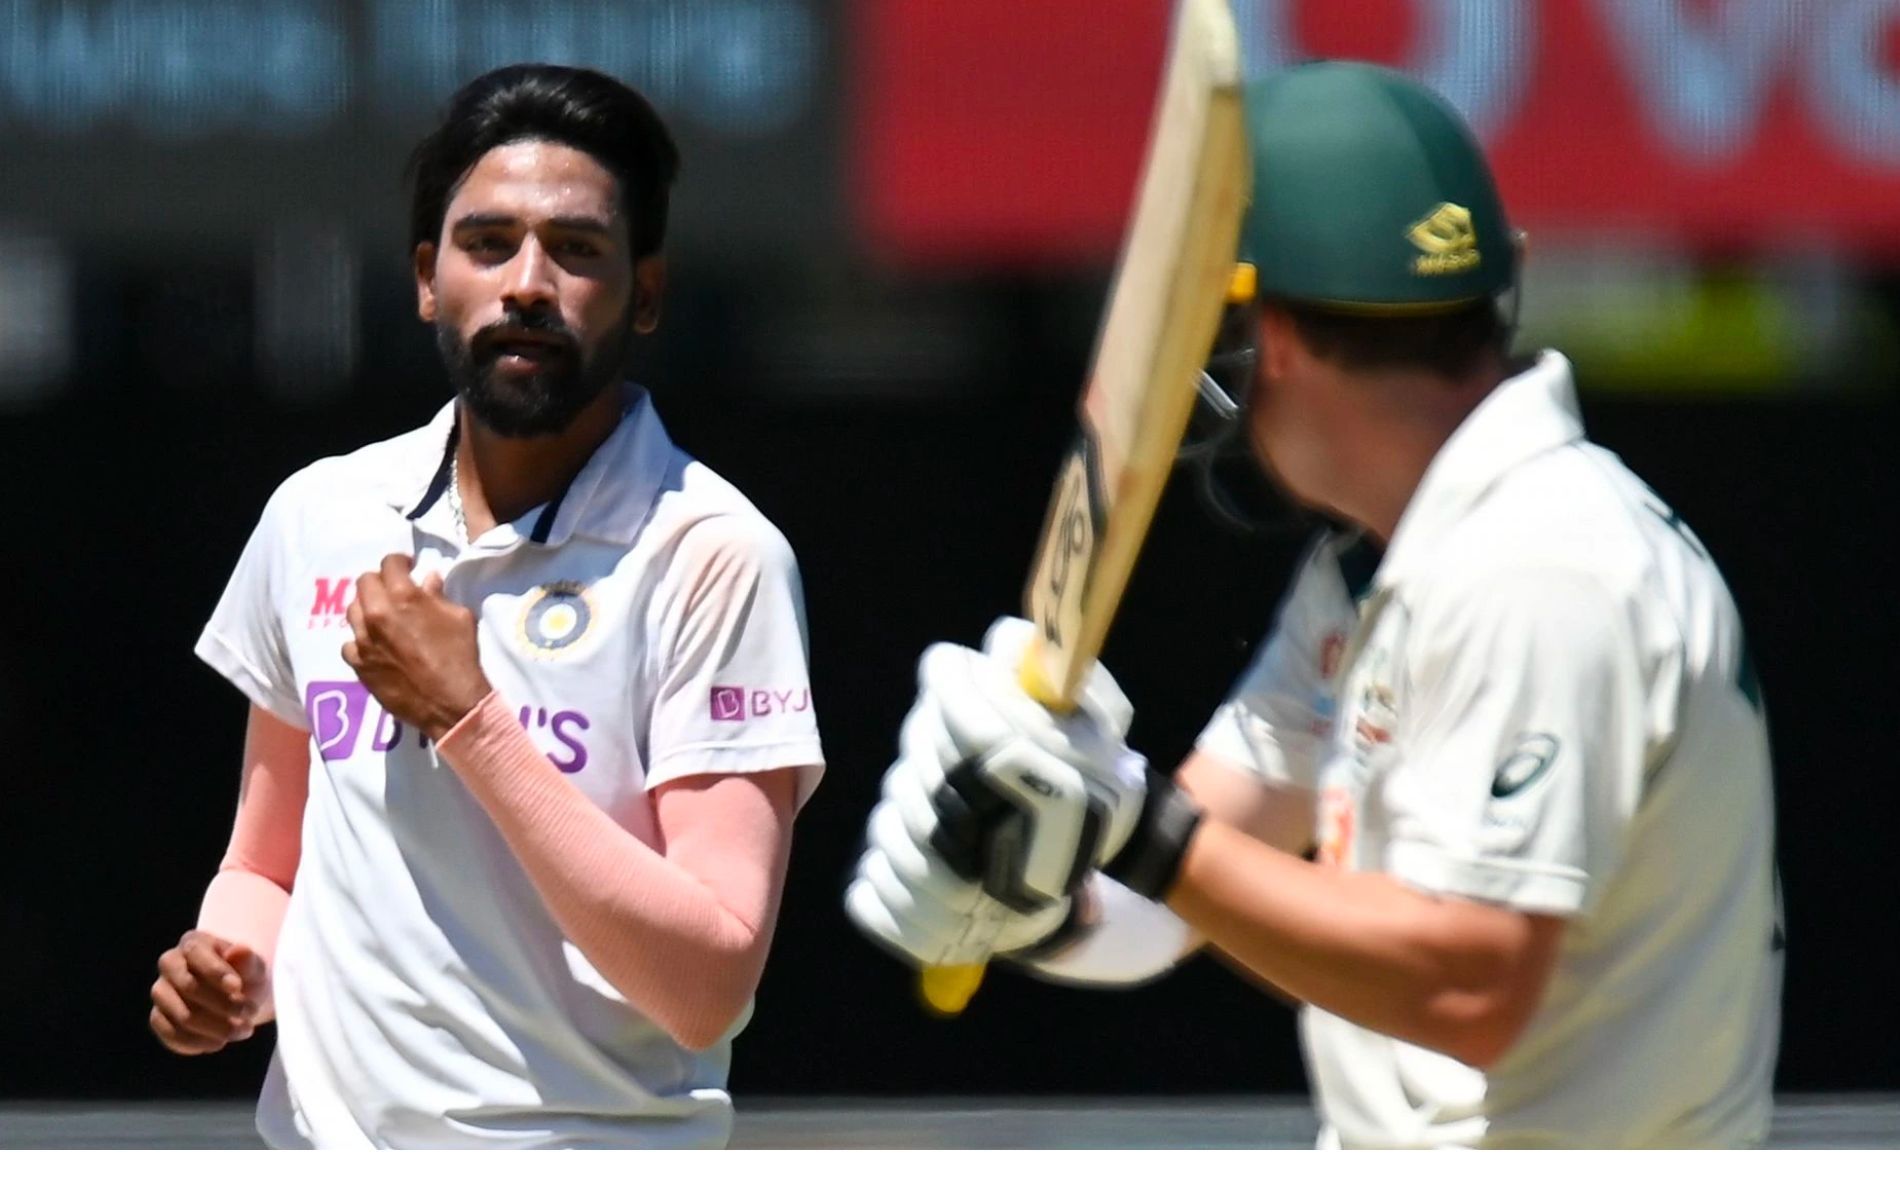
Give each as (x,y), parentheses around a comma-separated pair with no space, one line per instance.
(532,289)
(1280,421)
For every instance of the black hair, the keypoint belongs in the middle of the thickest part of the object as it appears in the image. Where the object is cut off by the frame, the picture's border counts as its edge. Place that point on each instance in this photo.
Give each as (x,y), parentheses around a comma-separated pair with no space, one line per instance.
(1450,344)
(594,113)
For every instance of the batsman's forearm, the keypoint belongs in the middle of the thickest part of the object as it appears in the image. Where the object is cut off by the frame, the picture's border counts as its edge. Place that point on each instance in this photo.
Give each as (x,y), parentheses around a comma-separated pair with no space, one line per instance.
(1362,946)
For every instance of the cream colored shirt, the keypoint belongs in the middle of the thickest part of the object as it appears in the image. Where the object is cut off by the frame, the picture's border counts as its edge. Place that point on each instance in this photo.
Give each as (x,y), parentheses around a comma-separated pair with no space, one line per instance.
(1541,699)
(649,624)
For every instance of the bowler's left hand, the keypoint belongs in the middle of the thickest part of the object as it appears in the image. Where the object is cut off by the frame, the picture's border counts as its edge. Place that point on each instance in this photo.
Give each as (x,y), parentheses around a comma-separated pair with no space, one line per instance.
(414,649)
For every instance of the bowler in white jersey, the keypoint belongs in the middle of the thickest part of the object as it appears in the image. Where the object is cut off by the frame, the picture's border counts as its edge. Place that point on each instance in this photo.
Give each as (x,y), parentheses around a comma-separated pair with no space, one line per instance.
(531,716)
(1494,800)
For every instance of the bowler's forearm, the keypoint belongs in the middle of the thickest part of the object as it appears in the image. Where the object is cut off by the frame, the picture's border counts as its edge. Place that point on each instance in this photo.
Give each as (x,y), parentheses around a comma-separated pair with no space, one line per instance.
(686,953)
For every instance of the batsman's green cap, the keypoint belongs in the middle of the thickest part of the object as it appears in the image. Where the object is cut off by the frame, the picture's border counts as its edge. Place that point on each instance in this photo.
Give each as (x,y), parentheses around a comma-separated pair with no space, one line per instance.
(1369,194)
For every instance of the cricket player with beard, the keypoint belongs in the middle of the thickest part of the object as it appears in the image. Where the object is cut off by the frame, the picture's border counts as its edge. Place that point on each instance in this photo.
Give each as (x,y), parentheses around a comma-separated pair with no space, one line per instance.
(1493,801)
(530,717)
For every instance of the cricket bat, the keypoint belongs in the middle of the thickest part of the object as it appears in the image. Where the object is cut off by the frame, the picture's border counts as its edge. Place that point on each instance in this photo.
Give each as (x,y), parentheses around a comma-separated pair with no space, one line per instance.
(1170,287)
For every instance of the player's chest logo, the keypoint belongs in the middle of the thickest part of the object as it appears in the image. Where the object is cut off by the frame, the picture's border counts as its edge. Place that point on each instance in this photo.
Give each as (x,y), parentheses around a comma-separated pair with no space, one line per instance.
(1338,822)
(1332,648)
(1325,702)
(1370,702)
(322,601)
(1362,745)
(1375,716)
(330,601)
(555,619)
(346,721)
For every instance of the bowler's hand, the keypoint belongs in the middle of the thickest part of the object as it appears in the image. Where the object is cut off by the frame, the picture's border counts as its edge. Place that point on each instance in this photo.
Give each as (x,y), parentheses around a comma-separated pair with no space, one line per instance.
(210,992)
(414,649)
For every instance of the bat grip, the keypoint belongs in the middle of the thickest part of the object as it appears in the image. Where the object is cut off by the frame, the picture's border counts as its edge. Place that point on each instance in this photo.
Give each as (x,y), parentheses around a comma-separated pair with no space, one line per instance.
(948,989)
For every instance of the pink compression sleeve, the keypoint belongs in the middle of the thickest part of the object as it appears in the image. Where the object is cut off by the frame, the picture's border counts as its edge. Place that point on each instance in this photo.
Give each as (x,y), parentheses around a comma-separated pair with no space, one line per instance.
(246,900)
(681,931)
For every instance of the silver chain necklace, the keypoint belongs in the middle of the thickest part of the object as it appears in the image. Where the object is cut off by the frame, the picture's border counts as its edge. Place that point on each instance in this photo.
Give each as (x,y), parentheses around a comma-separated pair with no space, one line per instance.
(455,497)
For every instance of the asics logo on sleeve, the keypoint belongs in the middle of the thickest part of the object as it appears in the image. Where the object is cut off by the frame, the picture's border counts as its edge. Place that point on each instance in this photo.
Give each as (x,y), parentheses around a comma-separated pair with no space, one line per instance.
(1530,757)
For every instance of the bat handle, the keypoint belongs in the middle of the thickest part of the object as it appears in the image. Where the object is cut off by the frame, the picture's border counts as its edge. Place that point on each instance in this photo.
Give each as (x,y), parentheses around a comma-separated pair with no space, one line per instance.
(947,990)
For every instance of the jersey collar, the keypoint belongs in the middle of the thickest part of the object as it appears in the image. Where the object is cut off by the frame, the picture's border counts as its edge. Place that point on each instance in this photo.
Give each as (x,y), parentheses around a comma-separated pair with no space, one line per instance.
(609,499)
(1528,414)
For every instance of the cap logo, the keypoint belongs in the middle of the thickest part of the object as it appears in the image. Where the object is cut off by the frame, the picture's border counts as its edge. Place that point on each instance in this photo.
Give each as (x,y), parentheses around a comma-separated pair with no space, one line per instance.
(1449,243)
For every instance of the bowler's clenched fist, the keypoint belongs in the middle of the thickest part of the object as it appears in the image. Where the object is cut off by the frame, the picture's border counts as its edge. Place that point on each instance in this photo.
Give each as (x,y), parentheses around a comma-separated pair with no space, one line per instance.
(414,648)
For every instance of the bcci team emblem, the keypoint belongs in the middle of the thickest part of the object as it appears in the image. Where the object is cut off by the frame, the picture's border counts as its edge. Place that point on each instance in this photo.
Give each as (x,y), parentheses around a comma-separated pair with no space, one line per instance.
(555,617)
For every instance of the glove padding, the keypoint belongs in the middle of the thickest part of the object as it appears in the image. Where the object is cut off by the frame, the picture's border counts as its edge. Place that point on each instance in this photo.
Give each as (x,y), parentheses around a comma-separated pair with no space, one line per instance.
(996,809)
(1027,801)
(906,898)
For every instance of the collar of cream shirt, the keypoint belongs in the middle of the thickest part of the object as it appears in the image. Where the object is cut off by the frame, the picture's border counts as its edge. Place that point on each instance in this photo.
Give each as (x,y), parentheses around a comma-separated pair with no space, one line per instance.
(609,500)
(1528,414)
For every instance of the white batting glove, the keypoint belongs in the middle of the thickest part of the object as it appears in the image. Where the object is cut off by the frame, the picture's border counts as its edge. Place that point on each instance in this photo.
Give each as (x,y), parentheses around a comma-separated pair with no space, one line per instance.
(1028,801)
(1143,849)
(906,898)
(997,810)
(919,886)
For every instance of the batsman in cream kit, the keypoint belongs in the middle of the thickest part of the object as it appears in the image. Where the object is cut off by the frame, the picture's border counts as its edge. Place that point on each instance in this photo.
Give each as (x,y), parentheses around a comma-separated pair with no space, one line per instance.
(532,715)
(1493,801)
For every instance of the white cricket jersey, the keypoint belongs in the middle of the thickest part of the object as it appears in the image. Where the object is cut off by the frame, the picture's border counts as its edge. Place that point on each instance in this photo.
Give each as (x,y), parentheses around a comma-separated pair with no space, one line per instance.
(648,625)
(1539,699)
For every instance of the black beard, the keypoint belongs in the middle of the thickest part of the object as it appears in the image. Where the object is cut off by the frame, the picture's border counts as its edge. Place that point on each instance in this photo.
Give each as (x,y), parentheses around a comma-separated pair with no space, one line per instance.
(546,402)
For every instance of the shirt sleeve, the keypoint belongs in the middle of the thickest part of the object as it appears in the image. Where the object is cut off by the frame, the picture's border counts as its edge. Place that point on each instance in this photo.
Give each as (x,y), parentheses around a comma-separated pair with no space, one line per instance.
(1520,761)
(733,692)
(682,934)
(1275,722)
(244,640)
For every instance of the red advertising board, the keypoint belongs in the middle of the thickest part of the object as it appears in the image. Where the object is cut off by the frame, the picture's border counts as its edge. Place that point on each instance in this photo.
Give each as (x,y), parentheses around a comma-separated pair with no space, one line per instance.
(1012,130)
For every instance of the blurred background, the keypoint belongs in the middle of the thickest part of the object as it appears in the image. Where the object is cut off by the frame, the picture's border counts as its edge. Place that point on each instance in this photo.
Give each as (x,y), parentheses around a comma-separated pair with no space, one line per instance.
(892,239)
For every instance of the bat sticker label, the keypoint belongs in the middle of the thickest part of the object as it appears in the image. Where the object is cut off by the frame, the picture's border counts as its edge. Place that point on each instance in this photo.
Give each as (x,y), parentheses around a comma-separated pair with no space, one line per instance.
(1069,538)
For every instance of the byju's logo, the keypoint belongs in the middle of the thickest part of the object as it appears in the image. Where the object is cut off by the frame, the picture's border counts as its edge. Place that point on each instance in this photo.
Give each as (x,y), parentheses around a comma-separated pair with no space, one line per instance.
(728,704)
(340,710)
(336,711)
(738,704)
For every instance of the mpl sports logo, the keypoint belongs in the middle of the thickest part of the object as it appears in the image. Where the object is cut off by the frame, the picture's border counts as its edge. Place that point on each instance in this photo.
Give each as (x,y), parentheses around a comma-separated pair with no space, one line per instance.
(340,711)
(331,603)
(742,704)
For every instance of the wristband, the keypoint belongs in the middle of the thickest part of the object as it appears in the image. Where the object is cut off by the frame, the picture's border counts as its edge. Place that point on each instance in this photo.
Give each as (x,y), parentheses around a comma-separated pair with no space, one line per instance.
(1150,860)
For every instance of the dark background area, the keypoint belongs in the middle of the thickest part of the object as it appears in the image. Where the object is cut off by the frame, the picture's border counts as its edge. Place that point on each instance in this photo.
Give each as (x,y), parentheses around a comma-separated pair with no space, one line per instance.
(129,505)
(901,426)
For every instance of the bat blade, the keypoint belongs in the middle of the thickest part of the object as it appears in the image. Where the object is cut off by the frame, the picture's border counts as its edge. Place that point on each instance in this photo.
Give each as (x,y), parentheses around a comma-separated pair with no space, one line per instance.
(1163,311)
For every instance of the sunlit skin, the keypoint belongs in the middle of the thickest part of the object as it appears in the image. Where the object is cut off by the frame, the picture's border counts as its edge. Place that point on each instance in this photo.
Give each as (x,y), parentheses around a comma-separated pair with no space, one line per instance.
(535,225)
(1352,443)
